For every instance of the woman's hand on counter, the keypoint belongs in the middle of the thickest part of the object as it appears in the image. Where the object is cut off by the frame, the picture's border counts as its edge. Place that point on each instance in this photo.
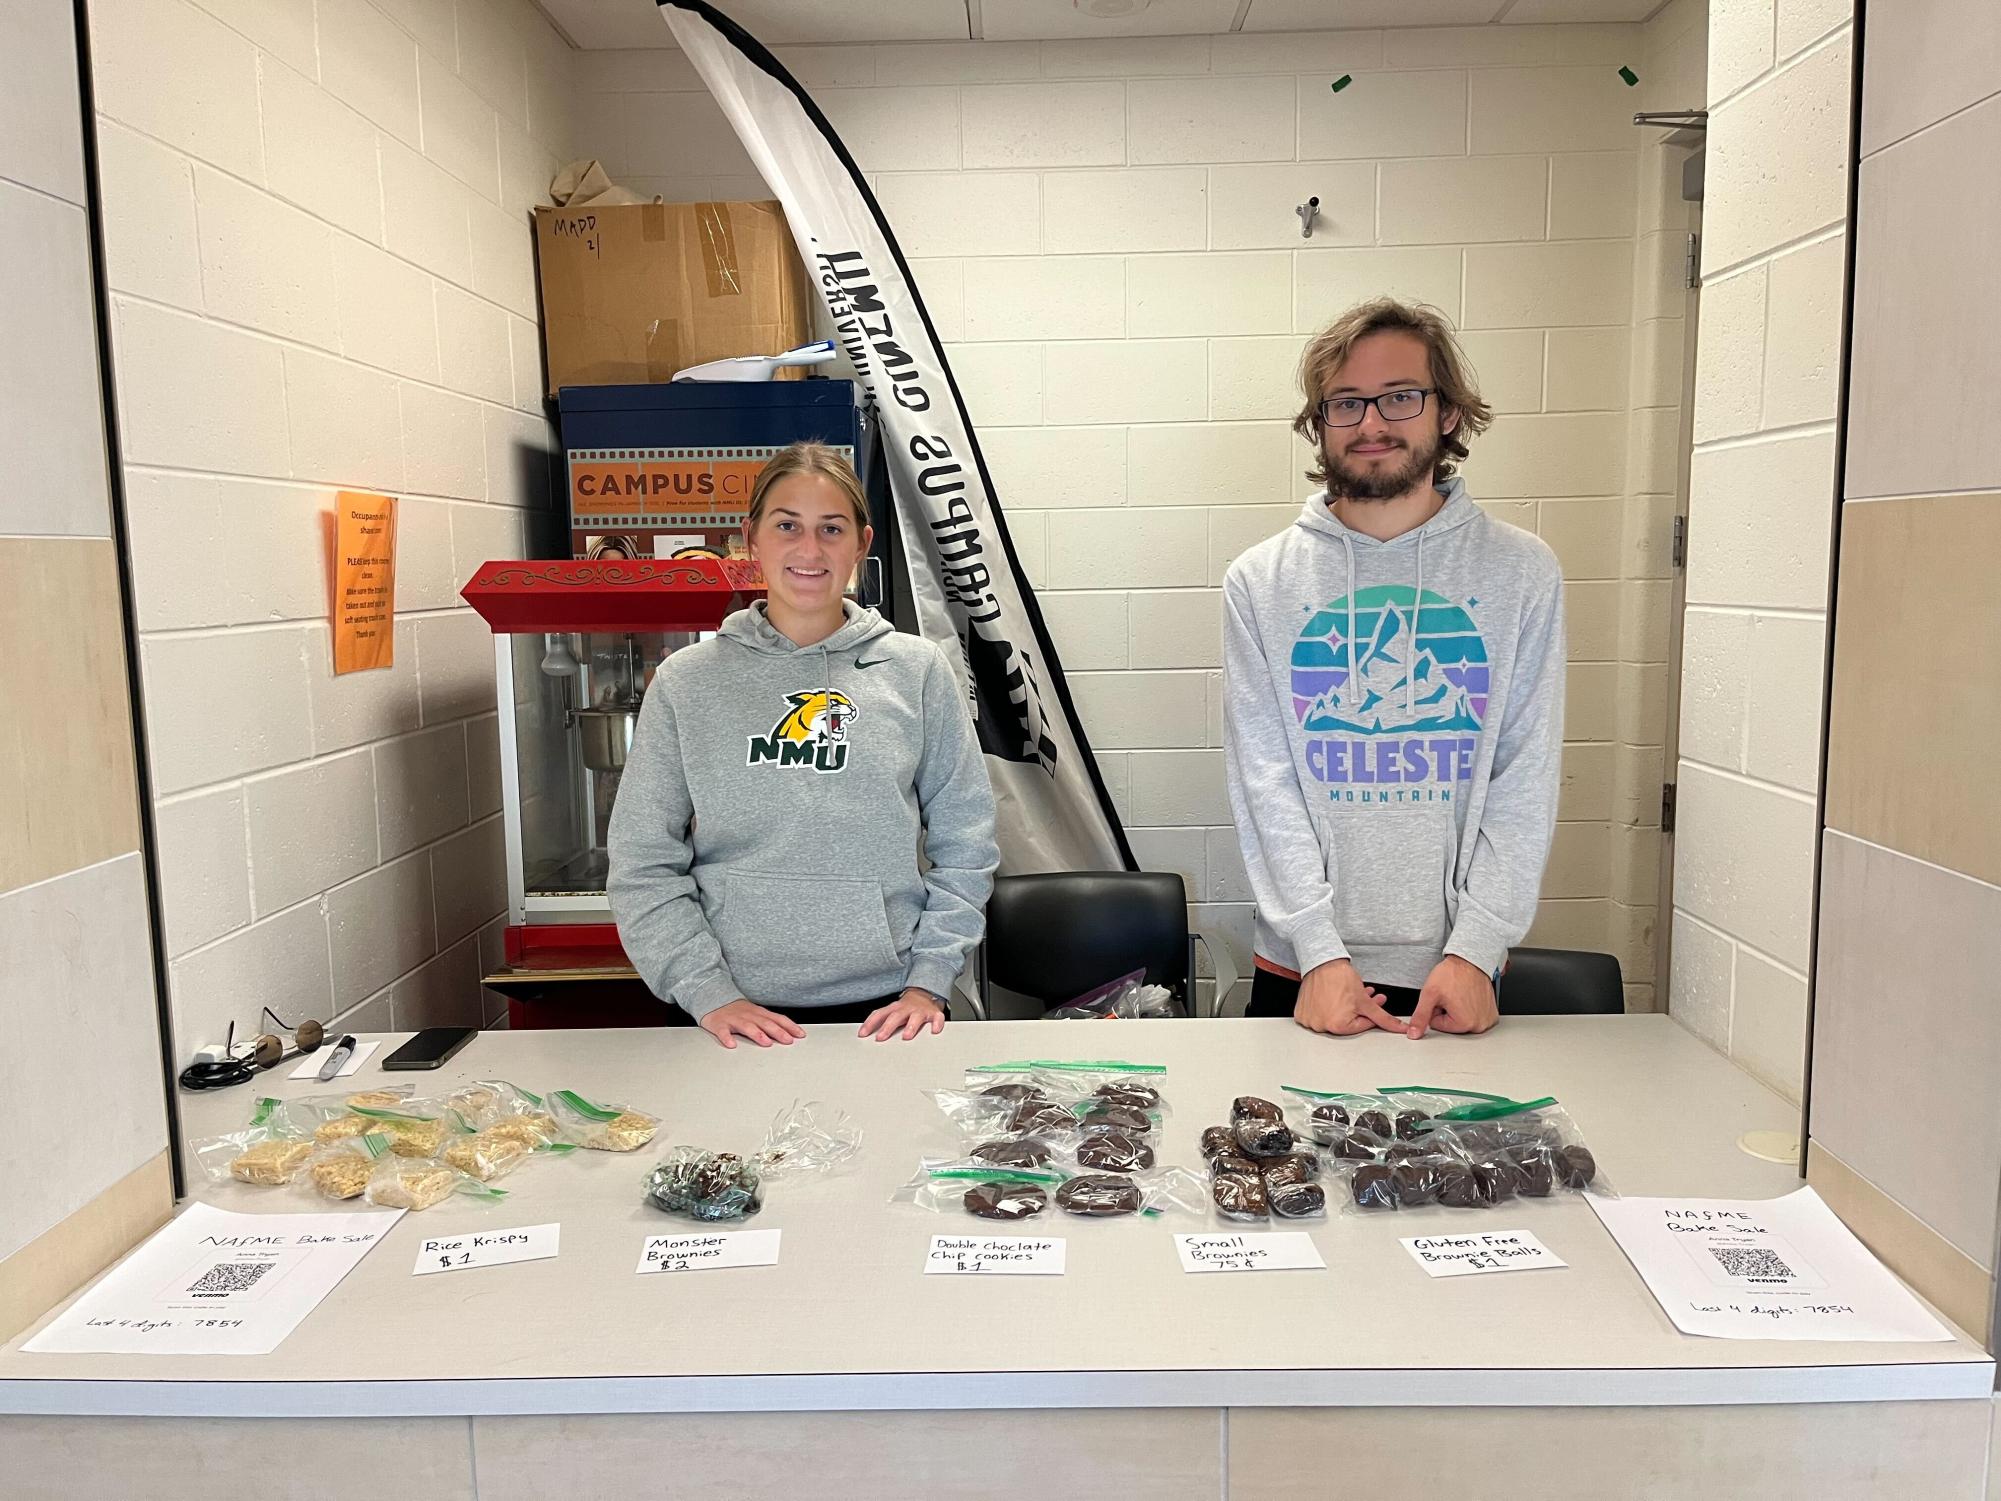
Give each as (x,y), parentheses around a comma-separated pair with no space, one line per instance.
(910,1013)
(749,1020)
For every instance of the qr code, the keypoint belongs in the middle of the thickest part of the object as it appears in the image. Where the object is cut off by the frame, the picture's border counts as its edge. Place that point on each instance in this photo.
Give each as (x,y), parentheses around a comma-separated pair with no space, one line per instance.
(1754,1263)
(227,1277)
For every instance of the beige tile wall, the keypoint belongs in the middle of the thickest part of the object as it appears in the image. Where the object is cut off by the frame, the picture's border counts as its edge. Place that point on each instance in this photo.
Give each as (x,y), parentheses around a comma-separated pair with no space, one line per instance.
(1103,232)
(76,963)
(1761,502)
(1907,1003)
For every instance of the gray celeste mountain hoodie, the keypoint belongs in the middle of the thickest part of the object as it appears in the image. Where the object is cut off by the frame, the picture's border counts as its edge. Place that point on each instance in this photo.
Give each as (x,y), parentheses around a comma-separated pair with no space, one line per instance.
(765,840)
(1393,729)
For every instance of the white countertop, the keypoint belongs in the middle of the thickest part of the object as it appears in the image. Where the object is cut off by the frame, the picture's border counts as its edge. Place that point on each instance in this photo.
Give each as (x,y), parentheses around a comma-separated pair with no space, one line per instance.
(848,1321)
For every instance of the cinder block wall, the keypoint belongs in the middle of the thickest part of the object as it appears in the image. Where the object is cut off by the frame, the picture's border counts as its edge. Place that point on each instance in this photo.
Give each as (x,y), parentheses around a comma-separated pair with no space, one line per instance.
(1104,234)
(322,268)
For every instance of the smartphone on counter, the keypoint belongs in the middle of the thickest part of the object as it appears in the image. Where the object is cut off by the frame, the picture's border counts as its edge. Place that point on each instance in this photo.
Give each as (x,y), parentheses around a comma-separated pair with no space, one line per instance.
(430,1048)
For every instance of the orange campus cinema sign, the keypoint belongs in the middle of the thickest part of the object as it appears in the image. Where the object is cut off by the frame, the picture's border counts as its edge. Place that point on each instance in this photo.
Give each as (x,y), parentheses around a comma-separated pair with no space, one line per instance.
(660,487)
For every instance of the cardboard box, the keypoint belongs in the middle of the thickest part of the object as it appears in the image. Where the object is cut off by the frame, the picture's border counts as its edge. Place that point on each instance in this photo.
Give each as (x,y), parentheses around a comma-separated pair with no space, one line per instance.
(633,292)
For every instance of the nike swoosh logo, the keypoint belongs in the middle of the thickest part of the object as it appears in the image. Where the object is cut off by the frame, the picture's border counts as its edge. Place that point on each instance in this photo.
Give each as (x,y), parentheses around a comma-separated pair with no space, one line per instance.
(860,664)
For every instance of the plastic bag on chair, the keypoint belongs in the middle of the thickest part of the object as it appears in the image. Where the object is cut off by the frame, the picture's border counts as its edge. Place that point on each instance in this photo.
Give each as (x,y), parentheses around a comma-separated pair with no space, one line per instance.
(1128,998)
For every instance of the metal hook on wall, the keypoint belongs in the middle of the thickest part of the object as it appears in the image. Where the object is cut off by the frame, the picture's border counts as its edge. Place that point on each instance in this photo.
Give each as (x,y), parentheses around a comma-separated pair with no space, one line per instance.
(1308,212)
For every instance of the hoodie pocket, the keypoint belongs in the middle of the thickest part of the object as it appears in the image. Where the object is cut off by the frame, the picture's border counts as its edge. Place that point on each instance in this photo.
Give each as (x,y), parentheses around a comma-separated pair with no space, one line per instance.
(785,936)
(1391,874)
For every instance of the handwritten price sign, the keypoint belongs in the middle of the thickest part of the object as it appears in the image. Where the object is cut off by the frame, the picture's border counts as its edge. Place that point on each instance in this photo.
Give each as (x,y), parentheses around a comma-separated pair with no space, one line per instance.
(994,1256)
(451,1253)
(1271,1251)
(1488,1251)
(700,1253)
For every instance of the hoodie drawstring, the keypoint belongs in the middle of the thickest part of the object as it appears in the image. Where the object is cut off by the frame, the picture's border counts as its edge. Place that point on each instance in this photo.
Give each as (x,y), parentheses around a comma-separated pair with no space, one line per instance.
(1410,647)
(1354,661)
(1410,651)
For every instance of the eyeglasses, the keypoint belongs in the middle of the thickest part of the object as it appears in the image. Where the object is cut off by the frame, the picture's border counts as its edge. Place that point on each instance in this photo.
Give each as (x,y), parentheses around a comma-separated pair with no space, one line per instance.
(1393,406)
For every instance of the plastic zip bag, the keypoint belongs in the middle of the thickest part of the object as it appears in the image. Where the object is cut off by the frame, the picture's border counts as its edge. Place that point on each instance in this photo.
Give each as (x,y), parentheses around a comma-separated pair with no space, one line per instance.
(601,1127)
(805,1139)
(398,1182)
(1128,998)
(342,1170)
(267,1151)
(1458,1149)
(981,1189)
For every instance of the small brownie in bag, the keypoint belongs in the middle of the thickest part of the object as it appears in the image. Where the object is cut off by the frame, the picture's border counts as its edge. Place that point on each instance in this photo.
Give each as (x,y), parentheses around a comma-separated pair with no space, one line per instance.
(1249,1107)
(1294,1167)
(1218,1141)
(1257,1137)
(1238,1194)
(1295,1201)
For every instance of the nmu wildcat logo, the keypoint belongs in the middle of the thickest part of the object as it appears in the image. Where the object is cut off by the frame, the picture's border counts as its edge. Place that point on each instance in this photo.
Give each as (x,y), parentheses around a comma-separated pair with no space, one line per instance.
(814,732)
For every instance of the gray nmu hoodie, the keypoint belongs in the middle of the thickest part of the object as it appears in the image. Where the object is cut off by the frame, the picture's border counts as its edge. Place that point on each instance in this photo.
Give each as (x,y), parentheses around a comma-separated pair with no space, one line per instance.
(765,840)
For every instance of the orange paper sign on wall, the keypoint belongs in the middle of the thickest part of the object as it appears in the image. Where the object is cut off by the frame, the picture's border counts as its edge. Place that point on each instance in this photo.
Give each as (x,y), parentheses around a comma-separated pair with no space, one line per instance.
(364,599)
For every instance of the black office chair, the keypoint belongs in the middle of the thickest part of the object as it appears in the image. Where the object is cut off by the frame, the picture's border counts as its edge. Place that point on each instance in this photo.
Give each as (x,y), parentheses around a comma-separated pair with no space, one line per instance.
(1562,982)
(1052,937)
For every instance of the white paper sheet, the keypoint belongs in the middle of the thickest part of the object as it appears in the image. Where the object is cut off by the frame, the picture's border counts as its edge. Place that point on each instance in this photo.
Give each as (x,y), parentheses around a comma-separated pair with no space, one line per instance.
(1266,1251)
(452,1253)
(310,1066)
(709,1252)
(215,1283)
(1480,1251)
(1783,1268)
(995,1256)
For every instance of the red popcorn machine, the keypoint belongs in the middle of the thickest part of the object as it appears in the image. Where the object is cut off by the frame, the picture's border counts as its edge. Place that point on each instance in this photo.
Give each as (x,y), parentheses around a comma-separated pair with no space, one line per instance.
(576,643)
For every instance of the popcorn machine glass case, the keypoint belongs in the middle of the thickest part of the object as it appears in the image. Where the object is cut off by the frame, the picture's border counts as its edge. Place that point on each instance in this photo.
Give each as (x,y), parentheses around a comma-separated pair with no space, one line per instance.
(576,644)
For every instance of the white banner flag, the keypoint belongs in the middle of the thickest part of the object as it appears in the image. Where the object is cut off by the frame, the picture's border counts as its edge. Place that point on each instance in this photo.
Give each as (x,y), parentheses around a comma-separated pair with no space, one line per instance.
(966,585)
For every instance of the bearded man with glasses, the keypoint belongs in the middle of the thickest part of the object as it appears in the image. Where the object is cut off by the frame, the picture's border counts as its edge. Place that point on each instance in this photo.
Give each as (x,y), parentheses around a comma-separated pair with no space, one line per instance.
(1393,701)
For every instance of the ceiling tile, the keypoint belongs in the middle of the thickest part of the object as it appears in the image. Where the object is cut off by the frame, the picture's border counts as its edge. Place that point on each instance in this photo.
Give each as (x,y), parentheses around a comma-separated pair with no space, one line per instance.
(1531,12)
(1339,15)
(1025,20)
(598,24)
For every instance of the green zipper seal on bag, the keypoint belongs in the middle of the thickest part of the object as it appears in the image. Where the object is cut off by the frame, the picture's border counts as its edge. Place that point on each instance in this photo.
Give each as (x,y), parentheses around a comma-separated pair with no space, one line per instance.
(263,1110)
(1324,1094)
(558,1147)
(1495,1112)
(1491,1107)
(1459,1094)
(584,1107)
(998,1175)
